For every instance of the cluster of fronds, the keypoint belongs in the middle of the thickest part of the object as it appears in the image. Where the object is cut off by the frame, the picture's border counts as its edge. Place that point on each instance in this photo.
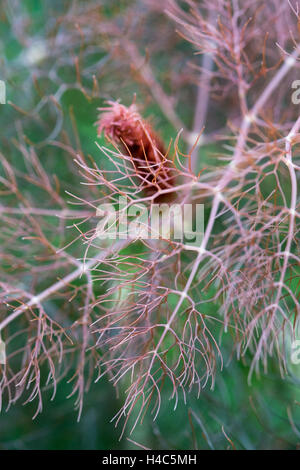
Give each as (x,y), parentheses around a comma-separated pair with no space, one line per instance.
(146,312)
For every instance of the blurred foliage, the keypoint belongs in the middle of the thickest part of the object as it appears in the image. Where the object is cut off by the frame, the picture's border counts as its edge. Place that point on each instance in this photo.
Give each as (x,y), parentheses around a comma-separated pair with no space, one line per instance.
(234,415)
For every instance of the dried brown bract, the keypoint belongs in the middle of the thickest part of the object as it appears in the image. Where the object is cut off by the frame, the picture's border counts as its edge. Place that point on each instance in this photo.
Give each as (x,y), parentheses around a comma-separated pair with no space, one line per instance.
(146,150)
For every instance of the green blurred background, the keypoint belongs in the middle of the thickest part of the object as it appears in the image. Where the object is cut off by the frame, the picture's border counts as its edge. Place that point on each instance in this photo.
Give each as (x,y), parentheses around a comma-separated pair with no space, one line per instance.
(37,47)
